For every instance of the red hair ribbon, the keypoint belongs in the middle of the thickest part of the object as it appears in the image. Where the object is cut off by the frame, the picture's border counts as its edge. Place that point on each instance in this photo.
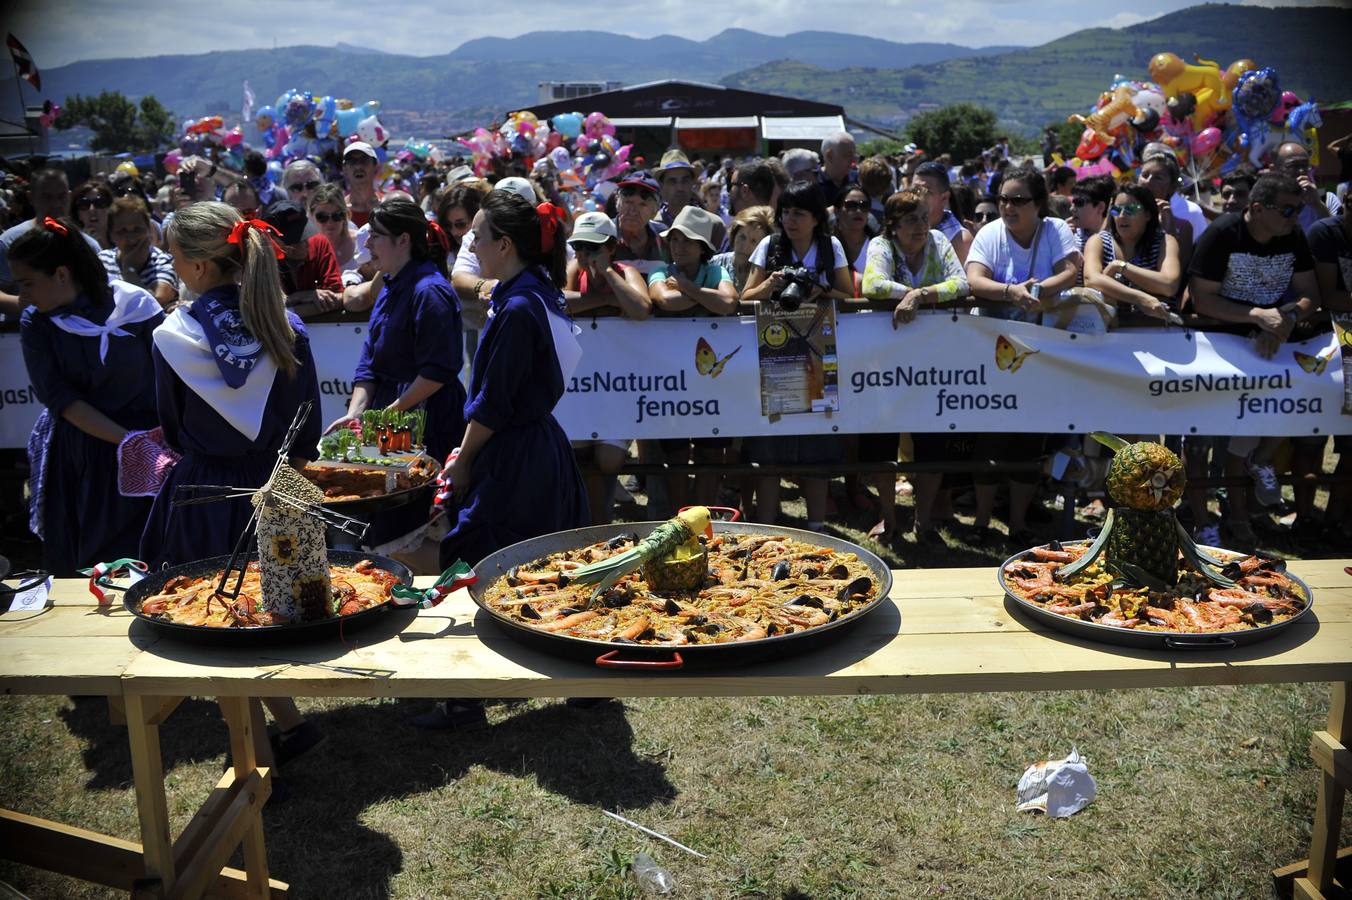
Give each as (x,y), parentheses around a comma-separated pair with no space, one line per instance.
(56,227)
(551,217)
(435,233)
(241,229)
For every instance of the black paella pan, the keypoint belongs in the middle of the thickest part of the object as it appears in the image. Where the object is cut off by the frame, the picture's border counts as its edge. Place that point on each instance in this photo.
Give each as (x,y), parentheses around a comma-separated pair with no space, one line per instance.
(645,658)
(152,583)
(1153,640)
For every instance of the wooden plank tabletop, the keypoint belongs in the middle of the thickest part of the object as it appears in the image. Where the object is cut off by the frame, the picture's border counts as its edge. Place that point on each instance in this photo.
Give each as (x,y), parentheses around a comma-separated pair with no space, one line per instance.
(941,630)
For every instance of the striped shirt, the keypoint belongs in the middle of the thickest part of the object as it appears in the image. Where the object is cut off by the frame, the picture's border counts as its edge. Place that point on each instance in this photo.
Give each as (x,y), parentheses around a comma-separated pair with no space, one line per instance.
(158,269)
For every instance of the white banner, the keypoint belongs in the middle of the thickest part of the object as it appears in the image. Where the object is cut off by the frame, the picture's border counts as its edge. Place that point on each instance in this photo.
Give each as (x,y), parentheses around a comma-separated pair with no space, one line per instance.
(336,348)
(953,373)
(654,379)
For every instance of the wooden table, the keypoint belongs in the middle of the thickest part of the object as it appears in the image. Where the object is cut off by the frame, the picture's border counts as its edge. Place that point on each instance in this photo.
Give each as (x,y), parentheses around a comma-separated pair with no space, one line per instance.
(943,630)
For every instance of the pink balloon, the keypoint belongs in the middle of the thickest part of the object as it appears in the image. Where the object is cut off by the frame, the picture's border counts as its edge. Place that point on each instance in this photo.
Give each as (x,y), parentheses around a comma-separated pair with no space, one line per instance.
(233,137)
(1207,139)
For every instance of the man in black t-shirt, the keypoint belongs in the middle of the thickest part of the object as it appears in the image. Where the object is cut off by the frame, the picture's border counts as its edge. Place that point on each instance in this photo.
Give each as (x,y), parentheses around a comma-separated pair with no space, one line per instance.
(1254,267)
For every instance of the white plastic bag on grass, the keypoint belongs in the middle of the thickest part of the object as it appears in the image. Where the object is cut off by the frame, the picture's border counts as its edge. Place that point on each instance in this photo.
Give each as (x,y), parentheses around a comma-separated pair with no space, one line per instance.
(1059,787)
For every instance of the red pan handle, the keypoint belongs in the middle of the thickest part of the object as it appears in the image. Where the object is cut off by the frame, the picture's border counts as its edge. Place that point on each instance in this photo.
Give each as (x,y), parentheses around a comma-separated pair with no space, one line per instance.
(733,514)
(608,661)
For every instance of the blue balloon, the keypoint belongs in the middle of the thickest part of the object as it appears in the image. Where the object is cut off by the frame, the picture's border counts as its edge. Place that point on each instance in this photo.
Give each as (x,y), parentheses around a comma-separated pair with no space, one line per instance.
(347,121)
(567,124)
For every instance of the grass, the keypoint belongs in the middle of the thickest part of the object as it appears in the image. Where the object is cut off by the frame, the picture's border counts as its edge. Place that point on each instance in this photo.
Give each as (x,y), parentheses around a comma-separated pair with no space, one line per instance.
(1202,791)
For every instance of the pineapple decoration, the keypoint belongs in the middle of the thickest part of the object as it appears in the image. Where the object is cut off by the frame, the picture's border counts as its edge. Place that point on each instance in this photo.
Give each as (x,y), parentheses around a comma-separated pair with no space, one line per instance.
(1141,539)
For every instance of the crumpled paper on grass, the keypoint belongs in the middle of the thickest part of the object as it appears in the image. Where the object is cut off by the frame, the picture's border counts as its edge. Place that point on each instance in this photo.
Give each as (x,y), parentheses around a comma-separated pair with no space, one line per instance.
(1058,787)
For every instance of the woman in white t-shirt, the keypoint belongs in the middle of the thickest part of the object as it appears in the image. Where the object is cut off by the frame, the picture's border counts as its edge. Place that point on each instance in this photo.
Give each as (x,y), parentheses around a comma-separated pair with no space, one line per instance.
(805,242)
(1012,263)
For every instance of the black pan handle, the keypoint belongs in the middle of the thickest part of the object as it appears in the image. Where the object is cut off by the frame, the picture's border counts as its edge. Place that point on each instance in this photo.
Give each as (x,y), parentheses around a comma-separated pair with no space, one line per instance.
(609,661)
(1215,643)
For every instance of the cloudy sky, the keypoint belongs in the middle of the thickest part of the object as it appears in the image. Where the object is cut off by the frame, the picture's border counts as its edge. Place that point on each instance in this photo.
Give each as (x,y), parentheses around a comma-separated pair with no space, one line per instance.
(57,32)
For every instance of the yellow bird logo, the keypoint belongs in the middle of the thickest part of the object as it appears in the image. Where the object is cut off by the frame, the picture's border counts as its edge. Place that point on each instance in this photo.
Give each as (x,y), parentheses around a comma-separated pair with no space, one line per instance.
(1313,364)
(1009,355)
(707,361)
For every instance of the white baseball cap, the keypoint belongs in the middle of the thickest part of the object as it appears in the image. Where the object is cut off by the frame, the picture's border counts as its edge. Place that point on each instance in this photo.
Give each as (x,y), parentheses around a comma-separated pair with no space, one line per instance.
(593,228)
(360,147)
(520,186)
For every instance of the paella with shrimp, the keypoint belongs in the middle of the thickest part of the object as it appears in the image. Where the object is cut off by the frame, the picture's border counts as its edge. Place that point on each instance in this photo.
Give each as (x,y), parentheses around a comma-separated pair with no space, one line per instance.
(1259,593)
(726,588)
(195,600)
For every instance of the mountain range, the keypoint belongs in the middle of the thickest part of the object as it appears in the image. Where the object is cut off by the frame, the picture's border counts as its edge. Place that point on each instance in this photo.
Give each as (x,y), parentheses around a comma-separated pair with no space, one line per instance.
(878,81)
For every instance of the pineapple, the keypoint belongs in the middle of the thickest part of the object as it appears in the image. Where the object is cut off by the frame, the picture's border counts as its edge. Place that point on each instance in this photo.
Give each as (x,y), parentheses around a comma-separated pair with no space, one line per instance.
(1144,475)
(1147,539)
(1141,539)
(684,570)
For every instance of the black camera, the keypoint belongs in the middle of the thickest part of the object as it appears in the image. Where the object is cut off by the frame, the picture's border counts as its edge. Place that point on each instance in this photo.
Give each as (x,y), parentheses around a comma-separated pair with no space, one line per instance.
(797,287)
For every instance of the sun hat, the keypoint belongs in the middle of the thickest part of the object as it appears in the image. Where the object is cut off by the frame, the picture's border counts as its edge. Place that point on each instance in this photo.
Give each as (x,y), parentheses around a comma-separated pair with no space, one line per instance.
(696,224)
(593,228)
(674,159)
(360,147)
(459,173)
(640,178)
(519,186)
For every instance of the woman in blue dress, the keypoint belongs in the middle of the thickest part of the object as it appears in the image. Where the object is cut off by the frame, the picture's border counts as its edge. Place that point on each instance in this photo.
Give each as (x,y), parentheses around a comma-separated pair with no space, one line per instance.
(516,476)
(413,351)
(86,344)
(231,371)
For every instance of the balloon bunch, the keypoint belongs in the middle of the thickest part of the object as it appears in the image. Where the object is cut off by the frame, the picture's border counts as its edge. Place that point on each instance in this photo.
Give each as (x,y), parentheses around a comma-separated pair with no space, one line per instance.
(1212,119)
(1125,118)
(301,125)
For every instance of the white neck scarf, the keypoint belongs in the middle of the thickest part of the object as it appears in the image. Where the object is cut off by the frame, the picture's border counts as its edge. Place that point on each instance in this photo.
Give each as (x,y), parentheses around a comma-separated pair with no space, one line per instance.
(131,304)
(184,346)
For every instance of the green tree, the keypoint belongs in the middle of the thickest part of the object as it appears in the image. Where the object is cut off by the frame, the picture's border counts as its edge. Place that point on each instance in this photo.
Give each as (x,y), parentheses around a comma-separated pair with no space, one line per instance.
(118,125)
(962,130)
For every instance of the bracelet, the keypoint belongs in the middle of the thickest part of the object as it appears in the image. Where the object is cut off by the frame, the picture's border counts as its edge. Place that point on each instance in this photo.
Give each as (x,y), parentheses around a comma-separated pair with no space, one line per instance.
(1005,295)
(478,285)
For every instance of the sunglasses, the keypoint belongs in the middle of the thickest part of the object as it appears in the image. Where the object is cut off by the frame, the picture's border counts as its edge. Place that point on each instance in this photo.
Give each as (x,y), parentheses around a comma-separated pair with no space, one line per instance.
(1004,200)
(987,216)
(305,186)
(1127,209)
(1078,202)
(95,201)
(1288,211)
(324,218)
(855,205)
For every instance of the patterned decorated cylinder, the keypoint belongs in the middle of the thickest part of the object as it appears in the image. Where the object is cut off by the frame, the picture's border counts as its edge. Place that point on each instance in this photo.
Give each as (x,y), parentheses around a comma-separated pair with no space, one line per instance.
(292,557)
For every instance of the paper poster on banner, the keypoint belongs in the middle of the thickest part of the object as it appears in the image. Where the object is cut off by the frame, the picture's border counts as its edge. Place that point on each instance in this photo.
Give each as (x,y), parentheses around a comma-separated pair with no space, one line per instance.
(1342,326)
(799,366)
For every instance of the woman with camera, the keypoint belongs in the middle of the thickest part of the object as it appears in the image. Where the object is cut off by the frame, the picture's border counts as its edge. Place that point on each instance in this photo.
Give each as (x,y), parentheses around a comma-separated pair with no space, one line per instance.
(914,265)
(1013,263)
(802,264)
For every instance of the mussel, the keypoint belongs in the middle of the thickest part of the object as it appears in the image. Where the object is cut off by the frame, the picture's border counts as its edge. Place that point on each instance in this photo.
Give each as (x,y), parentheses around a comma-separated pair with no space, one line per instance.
(780,571)
(1259,613)
(861,585)
(807,600)
(838,571)
(620,540)
(671,607)
(528,612)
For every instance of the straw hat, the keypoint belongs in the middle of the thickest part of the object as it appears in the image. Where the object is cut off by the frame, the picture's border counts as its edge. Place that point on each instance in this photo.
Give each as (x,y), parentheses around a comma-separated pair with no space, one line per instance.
(696,224)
